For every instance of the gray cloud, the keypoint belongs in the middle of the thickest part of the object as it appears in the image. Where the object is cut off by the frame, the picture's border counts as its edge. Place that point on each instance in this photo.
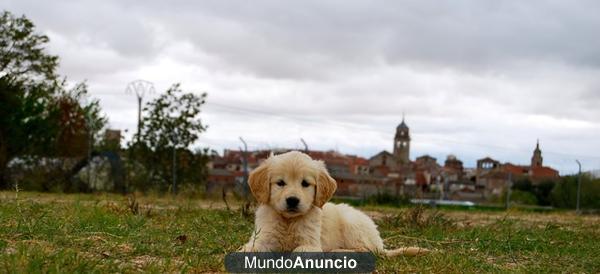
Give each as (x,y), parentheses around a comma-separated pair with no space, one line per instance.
(278,39)
(474,78)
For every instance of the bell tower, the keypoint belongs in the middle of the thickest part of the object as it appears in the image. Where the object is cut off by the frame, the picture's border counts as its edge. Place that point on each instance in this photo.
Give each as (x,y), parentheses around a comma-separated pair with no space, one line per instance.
(536,159)
(402,143)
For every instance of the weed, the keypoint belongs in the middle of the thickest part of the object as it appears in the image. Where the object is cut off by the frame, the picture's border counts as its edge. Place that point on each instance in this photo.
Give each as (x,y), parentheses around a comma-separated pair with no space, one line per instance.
(93,233)
(416,217)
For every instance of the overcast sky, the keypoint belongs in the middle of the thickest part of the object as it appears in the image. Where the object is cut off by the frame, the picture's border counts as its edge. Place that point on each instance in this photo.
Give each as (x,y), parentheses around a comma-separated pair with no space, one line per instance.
(475,78)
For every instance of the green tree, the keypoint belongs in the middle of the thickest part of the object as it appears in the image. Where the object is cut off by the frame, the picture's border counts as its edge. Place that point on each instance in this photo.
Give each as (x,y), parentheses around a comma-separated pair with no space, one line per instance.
(171,125)
(22,51)
(543,191)
(523,184)
(564,193)
(540,190)
(24,120)
(520,197)
(76,121)
(39,115)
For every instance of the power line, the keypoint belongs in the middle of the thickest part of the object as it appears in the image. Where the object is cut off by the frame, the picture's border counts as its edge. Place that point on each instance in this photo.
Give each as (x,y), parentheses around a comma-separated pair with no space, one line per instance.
(355,126)
(350,125)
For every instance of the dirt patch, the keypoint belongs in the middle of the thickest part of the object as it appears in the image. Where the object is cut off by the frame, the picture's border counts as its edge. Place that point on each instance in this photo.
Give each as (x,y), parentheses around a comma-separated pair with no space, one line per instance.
(44,246)
(376,215)
(140,262)
(125,248)
(485,218)
(469,218)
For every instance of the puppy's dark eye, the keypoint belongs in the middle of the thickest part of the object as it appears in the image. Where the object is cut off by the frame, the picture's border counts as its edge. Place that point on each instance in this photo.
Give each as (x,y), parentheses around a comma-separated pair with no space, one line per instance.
(305,183)
(281,183)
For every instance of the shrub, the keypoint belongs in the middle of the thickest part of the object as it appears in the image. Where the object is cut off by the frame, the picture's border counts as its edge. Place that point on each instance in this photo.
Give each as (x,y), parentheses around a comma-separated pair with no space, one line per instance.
(564,193)
(523,197)
(385,198)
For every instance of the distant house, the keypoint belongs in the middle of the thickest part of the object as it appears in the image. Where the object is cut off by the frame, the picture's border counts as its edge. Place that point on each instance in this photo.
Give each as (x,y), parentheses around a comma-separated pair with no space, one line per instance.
(495,177)
(382,163)
(112,137)
(394,172)
(351,172)
(221,180)
(536,174)
(413,178)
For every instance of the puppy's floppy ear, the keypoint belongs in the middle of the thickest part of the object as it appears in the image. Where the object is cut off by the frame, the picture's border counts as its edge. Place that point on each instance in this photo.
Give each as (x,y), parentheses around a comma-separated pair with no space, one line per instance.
(326,185)
(259,183)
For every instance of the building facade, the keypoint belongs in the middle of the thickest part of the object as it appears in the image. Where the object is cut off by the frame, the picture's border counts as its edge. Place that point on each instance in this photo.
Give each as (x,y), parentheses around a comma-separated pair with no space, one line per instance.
(394,172)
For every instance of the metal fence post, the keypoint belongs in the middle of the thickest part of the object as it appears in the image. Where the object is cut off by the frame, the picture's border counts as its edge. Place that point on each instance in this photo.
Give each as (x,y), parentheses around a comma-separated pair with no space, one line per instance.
(578,187)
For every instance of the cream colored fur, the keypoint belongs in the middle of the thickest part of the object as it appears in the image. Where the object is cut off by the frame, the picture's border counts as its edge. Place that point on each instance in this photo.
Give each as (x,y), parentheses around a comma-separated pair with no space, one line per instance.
(316,225)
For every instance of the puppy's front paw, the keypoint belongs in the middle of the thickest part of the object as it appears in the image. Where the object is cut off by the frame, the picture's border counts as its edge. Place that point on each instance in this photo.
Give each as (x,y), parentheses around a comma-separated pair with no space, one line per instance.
(308,248)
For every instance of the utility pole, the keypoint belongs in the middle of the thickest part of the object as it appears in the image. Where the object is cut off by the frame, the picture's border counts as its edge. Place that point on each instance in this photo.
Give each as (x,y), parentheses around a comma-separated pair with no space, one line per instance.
(139,88)
(446,187)
(439,185)
(174,170)
(578,186)
(90,136)
(173,139)
(245,163)
(245,186)
(88,121)
(508,190)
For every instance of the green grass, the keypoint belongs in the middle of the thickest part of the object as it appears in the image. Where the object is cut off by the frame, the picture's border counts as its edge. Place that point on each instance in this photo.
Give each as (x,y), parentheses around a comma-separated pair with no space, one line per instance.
(108,233)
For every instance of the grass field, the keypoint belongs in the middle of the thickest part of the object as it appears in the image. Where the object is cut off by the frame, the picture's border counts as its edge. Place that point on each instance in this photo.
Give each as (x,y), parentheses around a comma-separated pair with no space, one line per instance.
(110,233)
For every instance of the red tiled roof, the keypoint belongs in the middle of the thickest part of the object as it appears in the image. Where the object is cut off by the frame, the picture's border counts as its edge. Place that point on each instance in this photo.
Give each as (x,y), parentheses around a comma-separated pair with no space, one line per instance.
(535,172)
(515,169)
(496,174)
(361,161)
(544,172)
(329,157)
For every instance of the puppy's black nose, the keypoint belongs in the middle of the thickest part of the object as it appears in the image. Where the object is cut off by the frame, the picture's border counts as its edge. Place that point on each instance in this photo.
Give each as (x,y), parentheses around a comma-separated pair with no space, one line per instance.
(292,202)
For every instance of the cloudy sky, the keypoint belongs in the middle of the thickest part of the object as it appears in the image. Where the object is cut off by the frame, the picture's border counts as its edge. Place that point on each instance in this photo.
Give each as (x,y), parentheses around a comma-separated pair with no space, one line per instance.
(474,78)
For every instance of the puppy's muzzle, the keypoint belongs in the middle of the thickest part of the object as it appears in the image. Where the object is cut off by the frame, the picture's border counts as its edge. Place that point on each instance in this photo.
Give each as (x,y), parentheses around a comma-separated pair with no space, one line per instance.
(292,203)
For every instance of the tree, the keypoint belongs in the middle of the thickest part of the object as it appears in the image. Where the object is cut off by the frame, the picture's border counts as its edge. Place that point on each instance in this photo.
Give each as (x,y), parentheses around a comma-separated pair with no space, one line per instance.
(22,52)
(24,119)
(564,193)
(170,126)
(540,190)
(77,123)
(39,115)
(523,184)
(35,124)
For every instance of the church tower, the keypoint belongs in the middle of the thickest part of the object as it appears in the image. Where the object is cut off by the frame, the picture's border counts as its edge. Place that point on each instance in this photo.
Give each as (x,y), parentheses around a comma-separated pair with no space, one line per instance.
(402,143)
(536,159)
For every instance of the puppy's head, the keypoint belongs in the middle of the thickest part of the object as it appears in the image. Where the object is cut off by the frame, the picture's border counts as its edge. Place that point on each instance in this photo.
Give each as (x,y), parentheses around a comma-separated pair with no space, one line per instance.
(292,183)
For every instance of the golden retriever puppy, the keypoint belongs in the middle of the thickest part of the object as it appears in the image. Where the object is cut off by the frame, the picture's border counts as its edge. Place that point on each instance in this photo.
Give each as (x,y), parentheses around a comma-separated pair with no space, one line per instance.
(293,215)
